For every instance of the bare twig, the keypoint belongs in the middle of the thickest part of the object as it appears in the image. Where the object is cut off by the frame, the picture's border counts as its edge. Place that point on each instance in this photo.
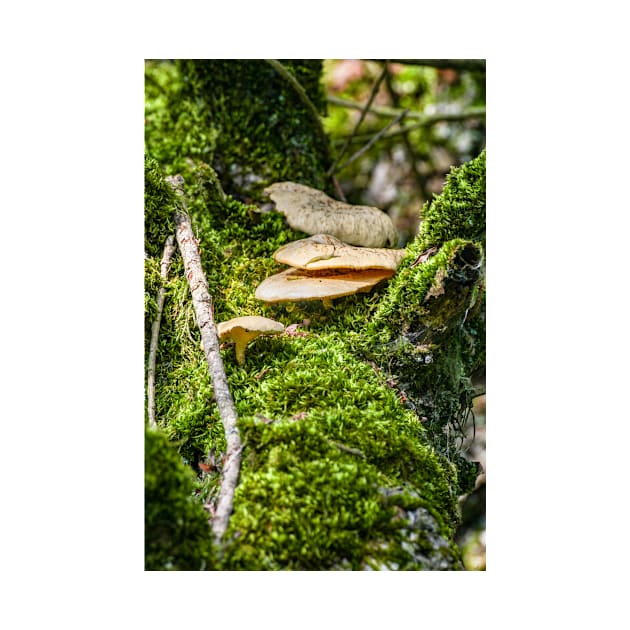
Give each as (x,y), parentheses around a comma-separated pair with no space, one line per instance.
(347,449)
(374,138)
(421,182)
(392,112)
(202,302)
(466,115)
(477,65)
(169,249)
(338,189)
(364,111)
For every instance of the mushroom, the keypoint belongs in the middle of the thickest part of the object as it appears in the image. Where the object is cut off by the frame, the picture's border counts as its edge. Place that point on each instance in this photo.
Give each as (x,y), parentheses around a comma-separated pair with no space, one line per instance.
(296,285)
(323,251)
(242,330)
(314,212)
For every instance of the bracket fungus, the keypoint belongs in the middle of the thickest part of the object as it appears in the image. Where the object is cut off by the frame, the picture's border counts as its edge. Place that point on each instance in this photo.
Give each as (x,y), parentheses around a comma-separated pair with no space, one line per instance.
(323,251)
(314,212)
(242,330)
(297,285)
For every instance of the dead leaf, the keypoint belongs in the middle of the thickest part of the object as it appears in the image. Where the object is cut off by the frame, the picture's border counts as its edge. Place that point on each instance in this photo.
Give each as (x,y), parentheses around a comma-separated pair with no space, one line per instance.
(424,256)
(261,373)
(292,331)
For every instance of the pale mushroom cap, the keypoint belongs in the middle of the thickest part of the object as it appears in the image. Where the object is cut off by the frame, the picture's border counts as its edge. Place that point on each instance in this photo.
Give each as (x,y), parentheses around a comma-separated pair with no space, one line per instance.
(249,323)
(323,251)
(295,285)
(242,330)
(314,212)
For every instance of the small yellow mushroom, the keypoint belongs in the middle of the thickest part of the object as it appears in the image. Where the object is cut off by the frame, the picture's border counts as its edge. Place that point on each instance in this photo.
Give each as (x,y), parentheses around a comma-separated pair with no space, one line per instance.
(242,330)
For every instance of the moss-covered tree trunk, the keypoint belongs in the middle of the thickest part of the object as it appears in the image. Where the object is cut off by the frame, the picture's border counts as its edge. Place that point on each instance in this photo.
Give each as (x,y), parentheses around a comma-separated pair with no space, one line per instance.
(350,421)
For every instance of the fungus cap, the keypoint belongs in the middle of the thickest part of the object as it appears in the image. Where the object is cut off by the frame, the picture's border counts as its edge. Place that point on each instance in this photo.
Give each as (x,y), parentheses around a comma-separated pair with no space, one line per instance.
(314,212)
(242,330)
(323,251)
(296,285)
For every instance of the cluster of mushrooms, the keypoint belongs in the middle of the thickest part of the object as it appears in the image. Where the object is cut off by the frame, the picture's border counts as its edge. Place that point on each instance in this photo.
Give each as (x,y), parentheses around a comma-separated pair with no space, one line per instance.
(349,252)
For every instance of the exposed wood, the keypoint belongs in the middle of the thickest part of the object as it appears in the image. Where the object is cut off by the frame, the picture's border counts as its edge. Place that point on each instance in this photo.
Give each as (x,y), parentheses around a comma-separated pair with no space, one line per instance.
(202,303)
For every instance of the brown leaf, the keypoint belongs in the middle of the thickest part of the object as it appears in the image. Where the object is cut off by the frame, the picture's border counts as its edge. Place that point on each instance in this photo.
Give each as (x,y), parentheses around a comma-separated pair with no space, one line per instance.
(261,373)
(292,331)
(424,256)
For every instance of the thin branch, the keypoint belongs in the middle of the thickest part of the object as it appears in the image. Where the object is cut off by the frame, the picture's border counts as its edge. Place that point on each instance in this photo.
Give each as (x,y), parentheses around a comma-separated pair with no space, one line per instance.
(169,250)
(374,139)
(202,302)
(475,65)
(431,120)
(426,119)
(347,449)
(337,186)
(421,181)
(364,111)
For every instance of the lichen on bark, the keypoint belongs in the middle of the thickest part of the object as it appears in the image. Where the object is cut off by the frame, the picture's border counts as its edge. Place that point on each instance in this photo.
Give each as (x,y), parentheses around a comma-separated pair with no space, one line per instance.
(347,462)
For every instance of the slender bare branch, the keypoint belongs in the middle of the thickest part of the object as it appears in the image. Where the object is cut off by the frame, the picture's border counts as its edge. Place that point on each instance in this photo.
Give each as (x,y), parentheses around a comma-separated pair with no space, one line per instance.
(477,65)
(403,129)
(374,138)
(427,119)
(169,249)
(202,303)
(364,111)
(421,180)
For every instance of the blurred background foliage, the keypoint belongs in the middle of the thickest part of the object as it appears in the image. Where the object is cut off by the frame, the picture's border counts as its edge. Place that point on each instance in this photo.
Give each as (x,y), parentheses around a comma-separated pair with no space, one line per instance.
(438,116)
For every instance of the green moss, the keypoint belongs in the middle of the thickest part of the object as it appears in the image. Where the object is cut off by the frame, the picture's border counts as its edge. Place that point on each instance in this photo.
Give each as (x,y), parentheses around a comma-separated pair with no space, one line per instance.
(177,536)
(175,127)
(460,210)
(260,129)
(159,205)
(325,439)
(428,332)
(432,296)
